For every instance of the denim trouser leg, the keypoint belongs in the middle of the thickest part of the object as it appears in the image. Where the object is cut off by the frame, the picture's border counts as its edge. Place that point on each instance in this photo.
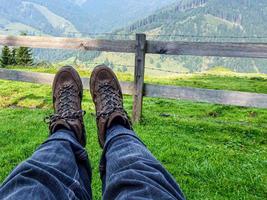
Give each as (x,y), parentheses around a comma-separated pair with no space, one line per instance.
(130,171)
(59,169)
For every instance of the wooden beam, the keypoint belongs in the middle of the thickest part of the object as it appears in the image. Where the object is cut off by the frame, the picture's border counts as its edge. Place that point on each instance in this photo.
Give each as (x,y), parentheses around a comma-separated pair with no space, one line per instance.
(245,99)
(126,46)
(221,49)
(248,50)
(224,97)
(44,78)
(139,77)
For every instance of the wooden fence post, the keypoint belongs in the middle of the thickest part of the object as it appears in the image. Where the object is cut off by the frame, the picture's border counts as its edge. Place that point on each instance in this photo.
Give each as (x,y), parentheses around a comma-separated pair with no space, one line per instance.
(139,76)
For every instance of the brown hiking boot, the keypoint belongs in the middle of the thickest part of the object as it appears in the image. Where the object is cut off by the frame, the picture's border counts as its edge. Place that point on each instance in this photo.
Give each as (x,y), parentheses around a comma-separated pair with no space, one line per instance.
(107,96)
(67,97)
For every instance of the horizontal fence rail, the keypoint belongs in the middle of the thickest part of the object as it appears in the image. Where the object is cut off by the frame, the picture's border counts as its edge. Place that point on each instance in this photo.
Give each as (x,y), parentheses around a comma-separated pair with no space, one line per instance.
(244,99)
(226,49)
(125,46)
(44,78)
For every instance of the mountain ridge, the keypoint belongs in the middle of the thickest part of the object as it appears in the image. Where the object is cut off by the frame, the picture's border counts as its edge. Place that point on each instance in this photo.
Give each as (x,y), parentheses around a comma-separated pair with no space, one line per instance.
(208,21)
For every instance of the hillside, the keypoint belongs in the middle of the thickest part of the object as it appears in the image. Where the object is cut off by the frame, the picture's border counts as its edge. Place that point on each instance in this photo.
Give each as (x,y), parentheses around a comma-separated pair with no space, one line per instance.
(208,18)
(226,20)
(17,16)
(183,20)
(112,14)
(72,17)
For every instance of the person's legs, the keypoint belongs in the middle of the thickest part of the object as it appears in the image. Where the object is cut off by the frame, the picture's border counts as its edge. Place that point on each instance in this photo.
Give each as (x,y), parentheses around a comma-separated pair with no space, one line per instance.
(59,169)
(128,169)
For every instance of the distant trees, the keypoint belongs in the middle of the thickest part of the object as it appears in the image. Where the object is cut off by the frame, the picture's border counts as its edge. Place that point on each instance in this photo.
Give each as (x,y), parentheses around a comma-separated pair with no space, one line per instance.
(163,15)
(23,56)
(189,5)
(19,56)
(13,57)
(16,56)
(5,56)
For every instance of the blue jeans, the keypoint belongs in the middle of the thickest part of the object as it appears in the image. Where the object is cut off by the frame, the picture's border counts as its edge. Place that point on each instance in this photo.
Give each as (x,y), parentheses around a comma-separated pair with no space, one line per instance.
(60,169)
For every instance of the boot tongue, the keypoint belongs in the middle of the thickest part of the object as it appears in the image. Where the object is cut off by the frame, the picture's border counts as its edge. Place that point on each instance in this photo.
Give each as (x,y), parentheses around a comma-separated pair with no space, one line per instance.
(60,124)
(73,125)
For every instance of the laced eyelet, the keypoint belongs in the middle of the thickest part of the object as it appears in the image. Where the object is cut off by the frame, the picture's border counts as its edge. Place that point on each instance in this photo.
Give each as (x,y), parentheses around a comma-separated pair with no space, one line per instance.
(66,109)
(70,115)
(111,100)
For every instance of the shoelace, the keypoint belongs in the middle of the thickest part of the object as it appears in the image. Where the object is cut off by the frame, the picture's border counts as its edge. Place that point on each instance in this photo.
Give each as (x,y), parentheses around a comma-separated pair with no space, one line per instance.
(66,115)
(66,109)
(65,102)
(110,99)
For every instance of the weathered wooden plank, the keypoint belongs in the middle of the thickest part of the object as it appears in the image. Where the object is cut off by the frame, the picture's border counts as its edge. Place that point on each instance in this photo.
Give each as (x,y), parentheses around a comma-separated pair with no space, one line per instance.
(249,50)
(31,77)
(139,76)
(44,78)
(126,46)
(206,95)
(172,92)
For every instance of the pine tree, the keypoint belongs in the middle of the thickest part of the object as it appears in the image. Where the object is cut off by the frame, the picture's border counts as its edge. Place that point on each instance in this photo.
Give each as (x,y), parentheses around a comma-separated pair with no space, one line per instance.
(24,56)
(13,57)
(5,56)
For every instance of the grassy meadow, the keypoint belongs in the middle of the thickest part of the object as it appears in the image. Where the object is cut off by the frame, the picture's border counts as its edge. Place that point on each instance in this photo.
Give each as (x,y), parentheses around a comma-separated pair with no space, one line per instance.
(213,151)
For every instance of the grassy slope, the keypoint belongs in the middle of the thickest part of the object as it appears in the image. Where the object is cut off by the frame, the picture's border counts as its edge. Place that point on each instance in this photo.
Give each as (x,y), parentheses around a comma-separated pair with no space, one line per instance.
(213,79)
(55,20)
(213,151)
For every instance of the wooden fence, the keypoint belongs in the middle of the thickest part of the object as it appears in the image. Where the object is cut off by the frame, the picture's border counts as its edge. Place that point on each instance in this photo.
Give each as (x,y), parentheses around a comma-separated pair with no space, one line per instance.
(141,47)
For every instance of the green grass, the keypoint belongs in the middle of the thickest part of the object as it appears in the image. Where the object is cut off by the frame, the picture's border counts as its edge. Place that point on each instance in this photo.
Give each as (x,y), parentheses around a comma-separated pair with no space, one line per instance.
(218,79)
(213,151)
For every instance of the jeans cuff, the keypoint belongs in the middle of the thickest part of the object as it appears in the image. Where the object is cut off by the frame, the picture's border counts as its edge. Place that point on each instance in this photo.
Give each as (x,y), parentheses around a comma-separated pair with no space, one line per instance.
(117,130)
(69,136)
(63,134)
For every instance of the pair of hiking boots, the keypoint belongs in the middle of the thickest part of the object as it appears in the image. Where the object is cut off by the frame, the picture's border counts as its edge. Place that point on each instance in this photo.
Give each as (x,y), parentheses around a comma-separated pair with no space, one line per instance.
(67,97)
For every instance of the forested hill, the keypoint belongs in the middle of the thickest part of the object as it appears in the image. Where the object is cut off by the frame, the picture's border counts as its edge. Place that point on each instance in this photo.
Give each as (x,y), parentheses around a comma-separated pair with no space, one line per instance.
(209,20)
(72,17)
